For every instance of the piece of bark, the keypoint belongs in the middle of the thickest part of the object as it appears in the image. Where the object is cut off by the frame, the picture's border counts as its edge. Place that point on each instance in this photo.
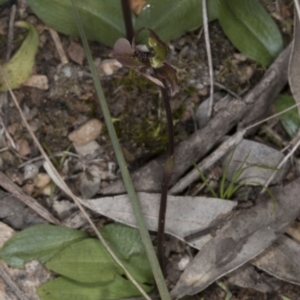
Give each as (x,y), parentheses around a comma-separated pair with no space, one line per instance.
(148,178)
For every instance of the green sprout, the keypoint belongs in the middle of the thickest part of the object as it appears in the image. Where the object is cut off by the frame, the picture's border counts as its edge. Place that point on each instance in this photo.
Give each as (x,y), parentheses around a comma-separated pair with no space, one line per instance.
(227,192)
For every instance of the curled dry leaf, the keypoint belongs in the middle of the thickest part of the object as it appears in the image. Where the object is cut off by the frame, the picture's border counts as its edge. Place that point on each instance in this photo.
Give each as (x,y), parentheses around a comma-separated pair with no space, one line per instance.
(240,240)
(137,5)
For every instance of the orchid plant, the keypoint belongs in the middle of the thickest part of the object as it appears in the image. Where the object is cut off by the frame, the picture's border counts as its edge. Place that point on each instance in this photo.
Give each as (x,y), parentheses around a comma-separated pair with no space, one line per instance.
(131,56)
(153,66)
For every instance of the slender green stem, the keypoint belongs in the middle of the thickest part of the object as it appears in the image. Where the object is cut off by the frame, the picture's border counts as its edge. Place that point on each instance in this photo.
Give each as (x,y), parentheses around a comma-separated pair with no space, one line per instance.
(127,19)
(159,279)
(167,173)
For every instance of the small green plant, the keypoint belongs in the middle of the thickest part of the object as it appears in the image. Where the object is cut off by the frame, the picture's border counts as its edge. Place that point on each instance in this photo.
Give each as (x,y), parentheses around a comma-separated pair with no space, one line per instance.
(224,287)
(86,270)
(227,192)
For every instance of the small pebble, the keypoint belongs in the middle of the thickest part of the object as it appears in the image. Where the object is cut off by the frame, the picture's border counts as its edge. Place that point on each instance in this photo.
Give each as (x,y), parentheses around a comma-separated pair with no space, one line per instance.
(30,171)
(183,263)
(109,66)
(87,149)
(37,81)
(24,148)
(86,133)
(42,181)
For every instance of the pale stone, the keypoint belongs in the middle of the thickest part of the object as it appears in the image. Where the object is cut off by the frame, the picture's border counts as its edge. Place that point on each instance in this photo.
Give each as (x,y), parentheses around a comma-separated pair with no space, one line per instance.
(87,149)
(86,133)
(23,146)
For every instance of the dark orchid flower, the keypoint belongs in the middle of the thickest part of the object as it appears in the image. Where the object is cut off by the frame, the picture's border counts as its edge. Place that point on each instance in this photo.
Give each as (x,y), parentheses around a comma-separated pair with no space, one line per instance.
(130,56)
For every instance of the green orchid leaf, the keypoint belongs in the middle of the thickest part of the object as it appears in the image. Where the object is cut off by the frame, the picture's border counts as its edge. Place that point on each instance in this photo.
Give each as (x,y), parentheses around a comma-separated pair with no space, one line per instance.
(39,242)
(18,69)
(85,261)
(124,239)
(172,18)
(251,29)
(65,289)
(289,120)
(140,269)
(127,241)
(88,261)
(102,20)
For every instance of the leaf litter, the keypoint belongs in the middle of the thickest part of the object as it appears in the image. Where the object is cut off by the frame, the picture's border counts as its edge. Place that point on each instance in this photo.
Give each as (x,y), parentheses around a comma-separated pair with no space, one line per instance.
(243,238)
(211,220)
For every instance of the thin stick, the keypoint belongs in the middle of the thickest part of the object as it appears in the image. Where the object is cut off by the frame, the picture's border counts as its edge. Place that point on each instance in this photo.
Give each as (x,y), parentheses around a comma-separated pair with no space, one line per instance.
(167,173)
(209,59)
(59,47)
(15,289)
(127,19)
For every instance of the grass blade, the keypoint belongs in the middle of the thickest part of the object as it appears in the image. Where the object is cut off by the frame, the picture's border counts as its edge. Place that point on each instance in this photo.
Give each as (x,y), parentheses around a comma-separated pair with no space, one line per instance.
(164,293)
(203,178)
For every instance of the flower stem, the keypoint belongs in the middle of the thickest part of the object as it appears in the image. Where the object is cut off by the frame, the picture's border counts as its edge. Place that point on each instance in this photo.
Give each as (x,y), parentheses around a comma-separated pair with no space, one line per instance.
(127,19)
(167,173)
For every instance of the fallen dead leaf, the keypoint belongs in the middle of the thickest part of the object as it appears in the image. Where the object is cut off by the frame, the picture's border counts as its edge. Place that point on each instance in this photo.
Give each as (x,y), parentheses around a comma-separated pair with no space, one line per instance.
(76,53)
(281,260)
(248,277)
(184,216)
(248,234)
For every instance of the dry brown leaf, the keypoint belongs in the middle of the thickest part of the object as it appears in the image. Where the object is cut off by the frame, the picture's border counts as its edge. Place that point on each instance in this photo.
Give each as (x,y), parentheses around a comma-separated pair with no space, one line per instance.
(248,234)
(185,214)
(137,5)
(281,260)
(76,53)
(248,277)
